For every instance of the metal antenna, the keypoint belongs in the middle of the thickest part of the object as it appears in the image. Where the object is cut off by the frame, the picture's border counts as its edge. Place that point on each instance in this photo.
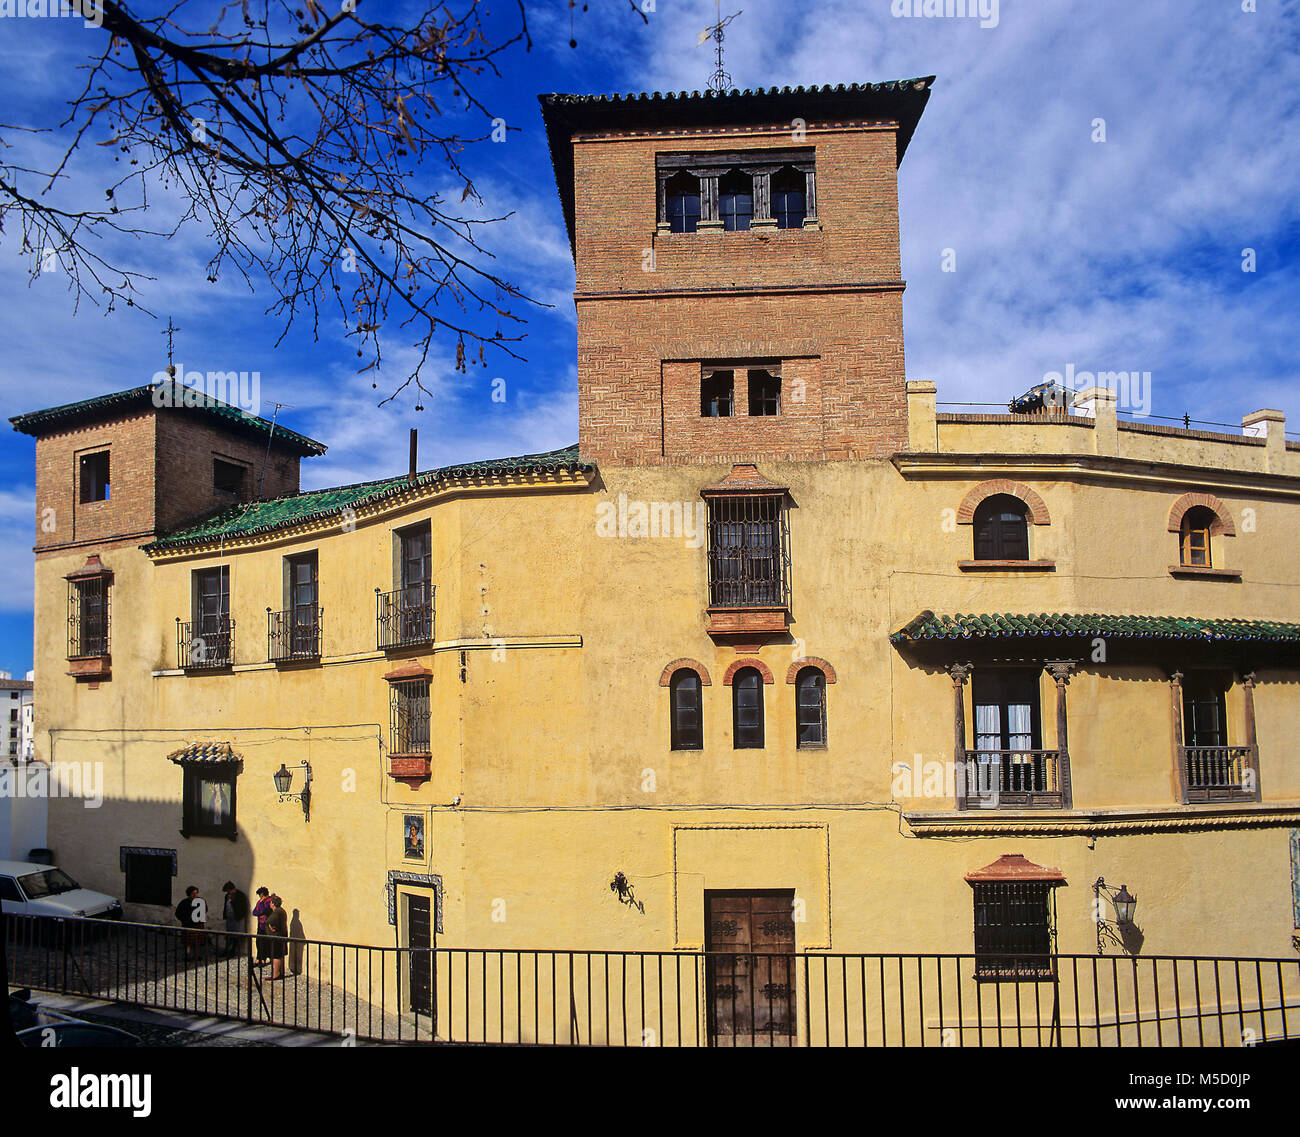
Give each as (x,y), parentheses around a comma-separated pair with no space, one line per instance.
(721,81)
(267,456)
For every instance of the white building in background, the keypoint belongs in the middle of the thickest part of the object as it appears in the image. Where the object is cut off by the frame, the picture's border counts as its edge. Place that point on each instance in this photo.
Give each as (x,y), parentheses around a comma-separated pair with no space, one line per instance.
(22,819)
(17,715)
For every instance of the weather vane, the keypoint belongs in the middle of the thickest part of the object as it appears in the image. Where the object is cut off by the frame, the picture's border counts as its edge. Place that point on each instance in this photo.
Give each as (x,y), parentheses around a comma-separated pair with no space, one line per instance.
(169,331)
(721,81)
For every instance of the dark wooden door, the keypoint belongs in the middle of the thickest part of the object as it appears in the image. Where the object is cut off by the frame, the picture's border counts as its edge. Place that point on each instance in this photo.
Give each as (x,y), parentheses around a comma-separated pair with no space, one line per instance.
(419,938)
(750,968)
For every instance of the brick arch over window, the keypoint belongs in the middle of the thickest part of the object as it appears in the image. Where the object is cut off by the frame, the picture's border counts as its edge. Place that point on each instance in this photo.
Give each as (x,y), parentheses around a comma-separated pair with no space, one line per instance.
(1223,524)
(1036,508)
(685,665)
(757,664)
(812,661)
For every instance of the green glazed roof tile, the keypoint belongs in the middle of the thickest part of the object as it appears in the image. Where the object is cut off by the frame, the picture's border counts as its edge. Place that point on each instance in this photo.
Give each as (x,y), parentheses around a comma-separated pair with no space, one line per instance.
(252,517)
(173,394)
(928,626)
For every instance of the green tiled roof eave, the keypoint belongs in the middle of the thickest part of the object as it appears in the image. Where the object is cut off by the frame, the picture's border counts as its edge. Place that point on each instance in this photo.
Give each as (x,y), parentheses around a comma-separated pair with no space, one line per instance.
(927,627)
(35,421)
(254,517)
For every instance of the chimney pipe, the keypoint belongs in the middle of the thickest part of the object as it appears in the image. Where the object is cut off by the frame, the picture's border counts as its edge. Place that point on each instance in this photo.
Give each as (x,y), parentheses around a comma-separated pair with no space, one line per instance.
(410,477)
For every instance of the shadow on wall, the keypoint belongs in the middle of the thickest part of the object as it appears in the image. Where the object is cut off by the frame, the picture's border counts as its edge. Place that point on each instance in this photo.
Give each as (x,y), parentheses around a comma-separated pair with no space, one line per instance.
(119,847)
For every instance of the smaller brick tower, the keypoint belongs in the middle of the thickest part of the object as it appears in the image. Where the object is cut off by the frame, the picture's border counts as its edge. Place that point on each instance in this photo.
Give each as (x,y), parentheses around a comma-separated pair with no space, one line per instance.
(738,277)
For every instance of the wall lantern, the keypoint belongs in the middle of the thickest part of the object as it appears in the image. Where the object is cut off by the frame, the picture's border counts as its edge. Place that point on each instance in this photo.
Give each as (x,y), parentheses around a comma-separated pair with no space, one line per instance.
(1125,904)
(283,778)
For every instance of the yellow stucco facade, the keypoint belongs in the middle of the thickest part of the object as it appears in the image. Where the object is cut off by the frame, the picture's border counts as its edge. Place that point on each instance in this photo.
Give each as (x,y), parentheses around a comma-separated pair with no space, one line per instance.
(551,767)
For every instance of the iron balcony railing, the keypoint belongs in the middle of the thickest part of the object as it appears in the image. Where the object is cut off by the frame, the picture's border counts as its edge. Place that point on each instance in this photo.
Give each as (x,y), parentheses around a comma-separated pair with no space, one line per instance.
(294,634)
(665,998)
(1218,772)
(1013,778)
(404,617)
(205,643)
(88,618)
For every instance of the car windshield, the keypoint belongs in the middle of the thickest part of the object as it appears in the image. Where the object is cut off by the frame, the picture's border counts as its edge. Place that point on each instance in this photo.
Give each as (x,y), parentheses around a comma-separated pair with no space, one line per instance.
(50,882)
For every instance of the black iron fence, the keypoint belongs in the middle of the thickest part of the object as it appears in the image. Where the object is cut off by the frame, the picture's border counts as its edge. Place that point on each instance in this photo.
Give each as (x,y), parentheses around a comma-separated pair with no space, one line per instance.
(685,998)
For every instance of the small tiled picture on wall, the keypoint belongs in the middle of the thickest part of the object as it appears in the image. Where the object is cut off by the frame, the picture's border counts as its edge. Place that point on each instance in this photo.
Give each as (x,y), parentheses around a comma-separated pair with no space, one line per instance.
(413,836)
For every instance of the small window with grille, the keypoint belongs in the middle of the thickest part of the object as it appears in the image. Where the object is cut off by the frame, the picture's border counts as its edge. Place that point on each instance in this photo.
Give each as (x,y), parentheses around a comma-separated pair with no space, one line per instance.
(409,717)
(1013,929)
(88,617)
(747,552)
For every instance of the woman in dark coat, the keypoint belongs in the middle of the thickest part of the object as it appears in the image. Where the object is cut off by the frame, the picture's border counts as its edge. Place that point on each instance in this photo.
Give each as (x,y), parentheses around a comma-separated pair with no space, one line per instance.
(277,927)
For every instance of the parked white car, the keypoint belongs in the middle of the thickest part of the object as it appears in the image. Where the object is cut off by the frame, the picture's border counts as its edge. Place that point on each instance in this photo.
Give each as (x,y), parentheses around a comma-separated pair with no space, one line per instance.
(42,890)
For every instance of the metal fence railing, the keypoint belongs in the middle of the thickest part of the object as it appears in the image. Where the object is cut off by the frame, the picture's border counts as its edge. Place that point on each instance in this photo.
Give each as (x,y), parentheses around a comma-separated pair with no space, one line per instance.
(682,998)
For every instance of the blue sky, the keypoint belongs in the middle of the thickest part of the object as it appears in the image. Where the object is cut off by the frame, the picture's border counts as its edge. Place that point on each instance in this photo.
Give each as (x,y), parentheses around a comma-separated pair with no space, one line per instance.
(1117,255)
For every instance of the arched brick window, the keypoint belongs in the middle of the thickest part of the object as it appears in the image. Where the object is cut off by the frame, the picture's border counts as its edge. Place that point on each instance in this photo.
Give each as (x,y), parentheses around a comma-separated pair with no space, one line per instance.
(810,709)
(747,709)
(1001,528)
(686,708)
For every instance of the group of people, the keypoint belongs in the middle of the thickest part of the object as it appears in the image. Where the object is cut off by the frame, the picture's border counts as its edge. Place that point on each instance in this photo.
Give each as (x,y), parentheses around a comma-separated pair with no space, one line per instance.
(272,940)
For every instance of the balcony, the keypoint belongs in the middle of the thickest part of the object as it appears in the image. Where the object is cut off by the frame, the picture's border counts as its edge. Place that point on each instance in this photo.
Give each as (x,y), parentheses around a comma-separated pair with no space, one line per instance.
(206,644)
(1013,779)
(294,635)
(404,617)
(1219,773)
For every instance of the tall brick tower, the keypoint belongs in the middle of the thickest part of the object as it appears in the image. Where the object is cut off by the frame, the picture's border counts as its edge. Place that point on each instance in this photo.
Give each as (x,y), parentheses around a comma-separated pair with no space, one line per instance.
(738,278)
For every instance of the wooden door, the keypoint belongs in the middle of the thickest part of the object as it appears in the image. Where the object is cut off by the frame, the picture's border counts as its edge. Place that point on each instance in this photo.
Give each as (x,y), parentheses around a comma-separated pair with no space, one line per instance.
(419,938)
(750,967)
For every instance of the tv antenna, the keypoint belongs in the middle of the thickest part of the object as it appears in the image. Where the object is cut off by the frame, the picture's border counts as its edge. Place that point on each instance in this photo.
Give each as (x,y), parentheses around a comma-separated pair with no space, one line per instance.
(720,83)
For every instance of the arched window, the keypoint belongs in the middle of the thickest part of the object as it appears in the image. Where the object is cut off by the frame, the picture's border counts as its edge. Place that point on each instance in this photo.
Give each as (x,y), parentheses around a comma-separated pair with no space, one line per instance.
(788,201)
(687,725)
(735,199)
(1001,529)
(747,709)
(682,200)
(810,708)
(1194,537)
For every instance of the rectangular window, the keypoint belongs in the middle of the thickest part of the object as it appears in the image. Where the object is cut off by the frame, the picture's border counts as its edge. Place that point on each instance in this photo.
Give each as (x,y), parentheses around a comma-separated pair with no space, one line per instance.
(764,391)
(295,632)
(209,639)
(209,800)
(94,477)
(1013,929)
(229,479)
(747,559)
(409,721)
(88,617)
(149,877)
(1007,711)
(1205,720)
(717,393)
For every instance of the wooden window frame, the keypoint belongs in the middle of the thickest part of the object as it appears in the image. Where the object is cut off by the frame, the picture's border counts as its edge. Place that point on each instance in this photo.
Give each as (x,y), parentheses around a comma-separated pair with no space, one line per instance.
(818,678)
(687,739)
(986,529)
(755,735)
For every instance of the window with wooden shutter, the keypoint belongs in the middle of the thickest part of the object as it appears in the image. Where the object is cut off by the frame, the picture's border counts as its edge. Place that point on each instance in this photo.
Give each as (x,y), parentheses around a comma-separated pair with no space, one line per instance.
(1001,529)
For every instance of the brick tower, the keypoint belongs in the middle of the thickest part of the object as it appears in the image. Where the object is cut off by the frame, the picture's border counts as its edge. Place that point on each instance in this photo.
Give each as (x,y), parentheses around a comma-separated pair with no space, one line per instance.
(738,279)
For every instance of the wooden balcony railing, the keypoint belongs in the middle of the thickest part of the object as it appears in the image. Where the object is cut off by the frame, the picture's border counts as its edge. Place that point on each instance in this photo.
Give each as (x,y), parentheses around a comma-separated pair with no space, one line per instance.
(1013,779)
(1219,773)
(293,634)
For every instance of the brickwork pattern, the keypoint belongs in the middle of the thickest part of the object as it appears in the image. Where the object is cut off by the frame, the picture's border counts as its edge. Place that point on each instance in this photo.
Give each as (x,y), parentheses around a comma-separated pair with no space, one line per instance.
(1037,514)
(1223,523)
